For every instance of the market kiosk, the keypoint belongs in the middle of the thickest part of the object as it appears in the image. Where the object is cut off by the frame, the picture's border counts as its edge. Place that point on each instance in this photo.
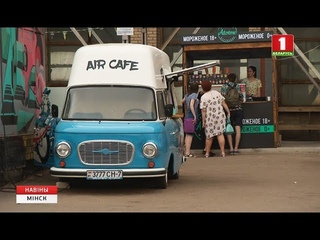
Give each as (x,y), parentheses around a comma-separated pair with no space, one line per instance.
(236,51)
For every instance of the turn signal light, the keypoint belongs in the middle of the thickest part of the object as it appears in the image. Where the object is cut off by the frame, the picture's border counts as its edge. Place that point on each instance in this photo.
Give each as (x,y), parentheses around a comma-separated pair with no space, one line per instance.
(62,163)
(151,164)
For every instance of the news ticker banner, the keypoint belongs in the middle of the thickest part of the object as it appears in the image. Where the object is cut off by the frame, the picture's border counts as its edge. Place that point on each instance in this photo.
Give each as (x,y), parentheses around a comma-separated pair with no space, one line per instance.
(36,194)
(282,45)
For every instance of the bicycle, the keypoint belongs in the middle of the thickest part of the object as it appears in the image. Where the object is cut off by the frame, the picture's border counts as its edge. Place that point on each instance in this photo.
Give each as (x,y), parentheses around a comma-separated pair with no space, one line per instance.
(44,129)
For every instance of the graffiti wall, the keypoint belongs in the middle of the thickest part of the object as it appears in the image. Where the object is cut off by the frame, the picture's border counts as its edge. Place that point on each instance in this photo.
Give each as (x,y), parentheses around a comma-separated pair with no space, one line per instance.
(22,83)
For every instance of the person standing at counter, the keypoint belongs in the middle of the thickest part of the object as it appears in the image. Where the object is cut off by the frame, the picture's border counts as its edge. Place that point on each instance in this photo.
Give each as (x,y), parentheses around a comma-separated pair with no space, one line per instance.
(213,109)
(203,134)
(253,84)
(236,113)
(192,104)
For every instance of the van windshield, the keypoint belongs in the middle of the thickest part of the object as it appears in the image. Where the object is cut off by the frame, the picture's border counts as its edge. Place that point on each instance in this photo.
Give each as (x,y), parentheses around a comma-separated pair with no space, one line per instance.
(110,103)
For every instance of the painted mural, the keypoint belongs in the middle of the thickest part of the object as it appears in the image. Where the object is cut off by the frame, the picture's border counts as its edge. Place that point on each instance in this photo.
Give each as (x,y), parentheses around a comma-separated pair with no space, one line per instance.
(22,79)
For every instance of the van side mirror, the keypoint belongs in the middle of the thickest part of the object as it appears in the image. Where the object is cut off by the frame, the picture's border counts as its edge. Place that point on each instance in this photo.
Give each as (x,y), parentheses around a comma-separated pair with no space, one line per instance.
(54,110)
(168,110)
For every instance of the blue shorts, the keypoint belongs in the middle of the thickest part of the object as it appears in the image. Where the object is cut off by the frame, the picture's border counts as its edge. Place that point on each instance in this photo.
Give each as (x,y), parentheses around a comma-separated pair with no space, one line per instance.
(236,117)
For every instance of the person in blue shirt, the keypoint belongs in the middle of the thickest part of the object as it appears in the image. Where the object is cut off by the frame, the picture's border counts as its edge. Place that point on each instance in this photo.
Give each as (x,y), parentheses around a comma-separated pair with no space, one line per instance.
(191,111)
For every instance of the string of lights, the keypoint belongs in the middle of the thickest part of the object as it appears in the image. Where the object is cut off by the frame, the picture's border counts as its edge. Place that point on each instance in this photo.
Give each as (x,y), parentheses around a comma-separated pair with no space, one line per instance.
(64,32)
(69,31)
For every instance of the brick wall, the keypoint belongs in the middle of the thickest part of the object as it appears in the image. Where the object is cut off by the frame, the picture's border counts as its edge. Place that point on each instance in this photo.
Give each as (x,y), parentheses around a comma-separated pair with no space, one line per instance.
(154,36)
(28,144)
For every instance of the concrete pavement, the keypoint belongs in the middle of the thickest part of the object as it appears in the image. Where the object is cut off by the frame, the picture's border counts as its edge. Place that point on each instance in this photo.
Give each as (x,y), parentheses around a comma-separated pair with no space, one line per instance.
(286,147)
(290,146)
(284,179)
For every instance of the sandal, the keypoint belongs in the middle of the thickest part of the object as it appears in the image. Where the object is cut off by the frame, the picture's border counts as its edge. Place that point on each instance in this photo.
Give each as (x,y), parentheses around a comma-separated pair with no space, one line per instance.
(188,155)
(236,152)
(211,154)
(222,154)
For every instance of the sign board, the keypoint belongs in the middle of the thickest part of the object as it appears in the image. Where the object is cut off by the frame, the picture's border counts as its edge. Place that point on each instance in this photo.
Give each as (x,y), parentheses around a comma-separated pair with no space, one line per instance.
(258,129)
(228,35)
(124,31)
(258,125)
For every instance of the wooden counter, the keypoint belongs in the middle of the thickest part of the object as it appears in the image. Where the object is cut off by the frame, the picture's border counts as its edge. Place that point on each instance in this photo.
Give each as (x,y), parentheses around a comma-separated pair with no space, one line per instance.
(258,125)
(257,131)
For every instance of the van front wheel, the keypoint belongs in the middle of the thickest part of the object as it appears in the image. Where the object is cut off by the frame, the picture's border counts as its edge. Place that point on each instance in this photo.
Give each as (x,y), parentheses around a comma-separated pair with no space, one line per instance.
(175,175)
(162,182)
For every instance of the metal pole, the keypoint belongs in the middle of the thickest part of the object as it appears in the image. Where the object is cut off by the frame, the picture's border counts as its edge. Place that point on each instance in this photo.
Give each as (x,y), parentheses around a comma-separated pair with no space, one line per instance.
(170,38)
(84,43)
(96,36)
(180,51)
(124,38)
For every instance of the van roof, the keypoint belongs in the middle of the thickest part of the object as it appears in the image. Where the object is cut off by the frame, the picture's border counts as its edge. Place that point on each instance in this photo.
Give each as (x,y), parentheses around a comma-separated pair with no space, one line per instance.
(120,63)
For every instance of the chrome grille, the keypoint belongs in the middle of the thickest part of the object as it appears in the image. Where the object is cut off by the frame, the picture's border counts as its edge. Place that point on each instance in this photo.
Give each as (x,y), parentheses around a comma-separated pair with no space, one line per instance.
(105,152)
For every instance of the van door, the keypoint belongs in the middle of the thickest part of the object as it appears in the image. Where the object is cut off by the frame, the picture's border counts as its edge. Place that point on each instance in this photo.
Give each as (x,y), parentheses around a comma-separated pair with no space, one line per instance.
(172,129)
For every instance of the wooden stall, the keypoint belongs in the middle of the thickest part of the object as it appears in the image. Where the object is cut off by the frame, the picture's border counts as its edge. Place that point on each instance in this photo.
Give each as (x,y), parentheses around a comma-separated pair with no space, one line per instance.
(240,50)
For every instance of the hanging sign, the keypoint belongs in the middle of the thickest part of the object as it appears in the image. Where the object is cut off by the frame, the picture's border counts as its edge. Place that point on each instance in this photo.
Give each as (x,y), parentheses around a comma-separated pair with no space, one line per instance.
(124,31)
(228,35)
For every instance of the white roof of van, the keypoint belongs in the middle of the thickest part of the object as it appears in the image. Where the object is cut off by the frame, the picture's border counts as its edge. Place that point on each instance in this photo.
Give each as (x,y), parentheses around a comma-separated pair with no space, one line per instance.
(120,63)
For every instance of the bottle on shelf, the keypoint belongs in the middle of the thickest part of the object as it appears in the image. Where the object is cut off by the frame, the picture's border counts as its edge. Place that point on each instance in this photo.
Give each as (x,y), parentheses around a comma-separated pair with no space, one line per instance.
(199,77)
(190,79)
(216,78)
(205,77)
(211,78)
(225,78)
(214,70)
(220,78)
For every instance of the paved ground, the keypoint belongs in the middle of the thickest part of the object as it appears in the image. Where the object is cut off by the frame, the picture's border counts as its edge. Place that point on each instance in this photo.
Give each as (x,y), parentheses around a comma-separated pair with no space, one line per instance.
(285,179)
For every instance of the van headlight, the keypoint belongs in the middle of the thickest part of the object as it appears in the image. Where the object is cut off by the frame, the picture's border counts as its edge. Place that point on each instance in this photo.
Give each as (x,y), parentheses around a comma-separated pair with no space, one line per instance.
(63,149)
(149,150)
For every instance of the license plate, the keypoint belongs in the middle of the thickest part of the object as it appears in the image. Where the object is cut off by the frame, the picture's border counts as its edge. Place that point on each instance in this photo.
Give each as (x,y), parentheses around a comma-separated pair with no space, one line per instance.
(104,174)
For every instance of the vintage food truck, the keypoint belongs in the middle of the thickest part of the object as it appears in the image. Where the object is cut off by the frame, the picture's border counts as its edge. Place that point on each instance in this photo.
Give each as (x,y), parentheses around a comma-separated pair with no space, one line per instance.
(118,119)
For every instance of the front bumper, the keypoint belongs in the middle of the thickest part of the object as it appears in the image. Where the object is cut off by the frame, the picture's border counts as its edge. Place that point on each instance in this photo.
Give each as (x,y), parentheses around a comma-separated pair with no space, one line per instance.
(127,173)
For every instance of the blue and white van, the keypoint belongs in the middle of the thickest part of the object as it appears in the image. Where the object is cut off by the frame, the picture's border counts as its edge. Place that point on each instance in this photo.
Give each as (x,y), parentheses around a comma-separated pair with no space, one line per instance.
(118,119)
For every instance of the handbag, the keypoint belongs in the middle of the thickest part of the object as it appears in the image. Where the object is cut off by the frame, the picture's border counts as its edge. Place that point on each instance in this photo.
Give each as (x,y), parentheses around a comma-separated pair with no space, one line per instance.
(188,125)
(229,127)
